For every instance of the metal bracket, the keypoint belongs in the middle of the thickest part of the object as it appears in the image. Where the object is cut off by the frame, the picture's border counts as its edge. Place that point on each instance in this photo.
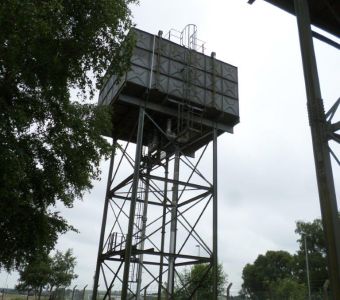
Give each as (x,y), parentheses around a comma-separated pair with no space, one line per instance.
(330,114)
(332,128)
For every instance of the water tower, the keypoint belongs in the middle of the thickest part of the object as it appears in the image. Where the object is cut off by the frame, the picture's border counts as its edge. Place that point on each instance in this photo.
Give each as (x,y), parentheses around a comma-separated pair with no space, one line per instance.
(160,211)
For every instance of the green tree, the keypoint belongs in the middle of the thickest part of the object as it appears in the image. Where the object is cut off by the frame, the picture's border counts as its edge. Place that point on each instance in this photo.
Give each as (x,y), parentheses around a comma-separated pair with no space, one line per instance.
(50,146)
(47,272)
(271,275)
(288,289)
(35,275)
(316,250)
(62,269)
(199,276)
(265,271)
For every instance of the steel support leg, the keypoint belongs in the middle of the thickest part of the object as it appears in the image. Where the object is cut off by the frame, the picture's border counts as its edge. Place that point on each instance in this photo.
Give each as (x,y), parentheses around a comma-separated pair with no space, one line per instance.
(327,196)
(144,220)
(215,244)
(102,231)
(173,226)
(128,245)
(161,262)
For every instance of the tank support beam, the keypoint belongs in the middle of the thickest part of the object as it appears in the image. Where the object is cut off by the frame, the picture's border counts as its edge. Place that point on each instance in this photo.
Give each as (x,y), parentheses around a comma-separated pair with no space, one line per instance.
(104,219)
(173,226)
(161,263)
(215,223)
(128,249)
(144,220)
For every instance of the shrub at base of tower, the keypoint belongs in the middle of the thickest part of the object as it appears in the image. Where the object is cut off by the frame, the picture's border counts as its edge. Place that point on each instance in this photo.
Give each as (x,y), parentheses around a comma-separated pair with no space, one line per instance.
(199,276)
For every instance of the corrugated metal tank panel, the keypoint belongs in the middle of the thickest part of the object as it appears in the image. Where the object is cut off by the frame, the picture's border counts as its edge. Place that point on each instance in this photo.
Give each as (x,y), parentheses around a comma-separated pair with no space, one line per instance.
(178,73)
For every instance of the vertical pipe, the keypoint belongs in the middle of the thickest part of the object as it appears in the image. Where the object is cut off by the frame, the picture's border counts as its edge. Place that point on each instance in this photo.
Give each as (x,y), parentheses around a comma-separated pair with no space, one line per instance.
(173,226)
(215,261)
(144,220)
(104,218)
(307,268)
(318,125)
(160,277)
(128,245)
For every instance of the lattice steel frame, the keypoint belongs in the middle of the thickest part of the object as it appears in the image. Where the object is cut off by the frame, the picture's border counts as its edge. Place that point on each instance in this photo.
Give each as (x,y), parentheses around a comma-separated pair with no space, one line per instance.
(143,187)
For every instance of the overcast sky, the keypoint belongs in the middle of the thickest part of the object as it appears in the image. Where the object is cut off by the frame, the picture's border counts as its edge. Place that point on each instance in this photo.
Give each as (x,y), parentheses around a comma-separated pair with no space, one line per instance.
(266,170)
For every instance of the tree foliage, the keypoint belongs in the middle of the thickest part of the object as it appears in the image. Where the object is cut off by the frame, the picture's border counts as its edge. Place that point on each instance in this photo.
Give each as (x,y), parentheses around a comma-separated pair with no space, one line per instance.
(288,289)
(48,272)
(50,146)
(278,272)
(62,269)
(35,275)
(199,276)
(259,277)
(316,249)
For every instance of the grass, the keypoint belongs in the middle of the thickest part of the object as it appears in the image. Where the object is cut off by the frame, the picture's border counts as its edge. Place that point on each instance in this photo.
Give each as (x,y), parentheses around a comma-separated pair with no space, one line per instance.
(21,297)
